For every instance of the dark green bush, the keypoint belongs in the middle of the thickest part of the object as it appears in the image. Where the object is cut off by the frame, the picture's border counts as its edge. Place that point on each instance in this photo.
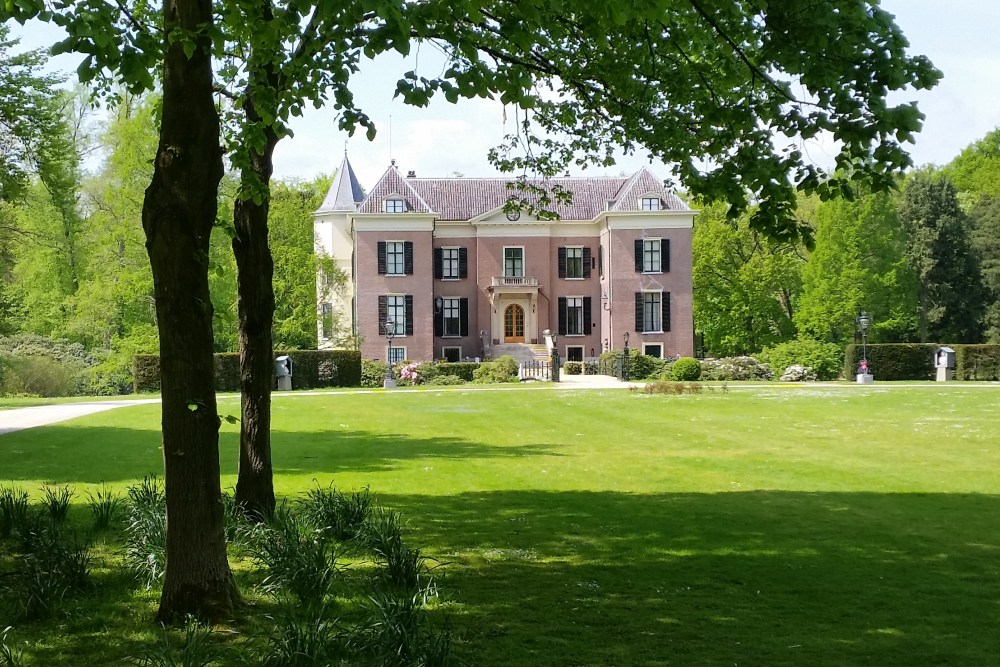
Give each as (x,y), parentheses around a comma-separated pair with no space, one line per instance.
(445,380)
(825,359)
(310,369)
(572,367)
(977,362)
(685,369)
(893,361)
(43,376)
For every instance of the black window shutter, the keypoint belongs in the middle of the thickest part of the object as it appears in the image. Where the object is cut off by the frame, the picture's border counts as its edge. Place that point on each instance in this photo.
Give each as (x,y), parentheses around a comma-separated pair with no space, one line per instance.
(463,317)
(562,316)
(439,323)
(463,263)
(638,255)
(586,315)
(638,312)
(383,310)
(586,262)
(438,263)
(665,255)
(562,262)
(381,259)
(409,314)
(600,261)
(408,258)
(665,307)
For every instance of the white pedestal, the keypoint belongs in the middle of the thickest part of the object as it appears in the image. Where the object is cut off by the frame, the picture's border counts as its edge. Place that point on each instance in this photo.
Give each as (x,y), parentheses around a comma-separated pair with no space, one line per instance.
(285,383)
(944,374)
(865,378)
(389,384)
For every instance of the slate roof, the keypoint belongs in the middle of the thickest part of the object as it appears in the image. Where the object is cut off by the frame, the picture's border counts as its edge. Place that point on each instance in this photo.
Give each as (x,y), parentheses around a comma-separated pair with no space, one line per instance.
(345,192)
(467,198)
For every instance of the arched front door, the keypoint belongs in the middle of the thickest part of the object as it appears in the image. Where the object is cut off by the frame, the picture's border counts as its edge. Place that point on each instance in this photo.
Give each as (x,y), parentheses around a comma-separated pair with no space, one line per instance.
(513,324)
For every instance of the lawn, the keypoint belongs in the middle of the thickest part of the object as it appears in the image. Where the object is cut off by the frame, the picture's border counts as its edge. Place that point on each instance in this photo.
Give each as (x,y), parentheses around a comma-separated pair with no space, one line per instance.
(774,526)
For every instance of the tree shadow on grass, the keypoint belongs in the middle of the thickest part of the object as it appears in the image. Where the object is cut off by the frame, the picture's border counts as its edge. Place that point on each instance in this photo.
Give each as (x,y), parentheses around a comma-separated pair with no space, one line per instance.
(760,578)
(63,454)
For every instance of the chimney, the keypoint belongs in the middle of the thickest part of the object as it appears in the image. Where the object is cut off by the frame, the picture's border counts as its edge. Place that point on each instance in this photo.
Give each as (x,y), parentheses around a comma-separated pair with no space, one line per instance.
(411,174)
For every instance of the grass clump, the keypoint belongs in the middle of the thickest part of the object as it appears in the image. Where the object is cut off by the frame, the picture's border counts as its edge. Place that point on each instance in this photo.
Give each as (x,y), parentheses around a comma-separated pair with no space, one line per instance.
(56,500)
(13,510)
(146,531)
(340,515)
(196,650)
(104,505)
(10,655)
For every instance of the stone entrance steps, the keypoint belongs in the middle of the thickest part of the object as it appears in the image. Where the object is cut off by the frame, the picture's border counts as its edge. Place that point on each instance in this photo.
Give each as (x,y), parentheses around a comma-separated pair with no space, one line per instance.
(521,352)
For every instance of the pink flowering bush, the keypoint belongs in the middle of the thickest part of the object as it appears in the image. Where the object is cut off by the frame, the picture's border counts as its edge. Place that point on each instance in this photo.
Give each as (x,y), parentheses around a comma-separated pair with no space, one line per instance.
(409,373)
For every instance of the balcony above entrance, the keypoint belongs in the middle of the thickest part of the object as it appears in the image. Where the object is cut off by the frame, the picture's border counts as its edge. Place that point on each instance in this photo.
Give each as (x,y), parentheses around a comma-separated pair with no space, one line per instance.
(515,282)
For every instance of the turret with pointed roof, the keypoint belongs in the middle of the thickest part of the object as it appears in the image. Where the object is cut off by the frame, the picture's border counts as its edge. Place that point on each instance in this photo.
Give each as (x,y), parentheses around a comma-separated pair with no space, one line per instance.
(345,193)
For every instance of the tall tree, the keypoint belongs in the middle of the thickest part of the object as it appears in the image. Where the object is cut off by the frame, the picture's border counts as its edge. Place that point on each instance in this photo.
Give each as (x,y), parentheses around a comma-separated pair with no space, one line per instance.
(975,172)
(986,242)
(938,247)
(745,285)
(858,264)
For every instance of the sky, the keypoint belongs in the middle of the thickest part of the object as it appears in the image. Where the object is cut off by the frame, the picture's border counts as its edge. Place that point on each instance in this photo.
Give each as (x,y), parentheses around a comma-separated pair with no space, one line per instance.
(445,139)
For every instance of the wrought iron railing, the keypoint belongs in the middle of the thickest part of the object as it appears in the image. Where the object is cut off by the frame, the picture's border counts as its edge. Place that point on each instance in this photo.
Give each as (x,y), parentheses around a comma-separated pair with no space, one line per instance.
(535,370)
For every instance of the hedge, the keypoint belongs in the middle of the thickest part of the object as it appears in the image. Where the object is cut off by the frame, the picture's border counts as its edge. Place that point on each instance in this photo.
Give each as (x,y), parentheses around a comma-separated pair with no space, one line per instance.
(310,369)
(977,362)
(893,361)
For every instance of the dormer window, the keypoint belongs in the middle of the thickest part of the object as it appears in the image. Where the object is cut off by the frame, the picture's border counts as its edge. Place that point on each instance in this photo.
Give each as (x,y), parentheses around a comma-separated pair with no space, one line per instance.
(395,205)
(651,204)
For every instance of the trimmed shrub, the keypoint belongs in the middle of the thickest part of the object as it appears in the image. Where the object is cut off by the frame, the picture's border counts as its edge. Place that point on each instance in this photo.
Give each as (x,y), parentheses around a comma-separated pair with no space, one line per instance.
(310,369)
(503,369)
(572,367)
(685,369)
(893,361)
(825,359)
(373,372)
(445,380)
(731,369)
(977,362)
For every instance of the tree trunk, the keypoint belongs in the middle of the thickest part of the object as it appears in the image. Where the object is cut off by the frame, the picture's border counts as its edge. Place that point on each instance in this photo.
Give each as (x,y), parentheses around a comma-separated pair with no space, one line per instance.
(255,299)
(177,215)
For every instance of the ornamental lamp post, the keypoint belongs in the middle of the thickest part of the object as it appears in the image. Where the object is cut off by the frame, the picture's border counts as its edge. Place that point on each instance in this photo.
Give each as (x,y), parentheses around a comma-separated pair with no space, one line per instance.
(864,375)
(390,331)
(625,359)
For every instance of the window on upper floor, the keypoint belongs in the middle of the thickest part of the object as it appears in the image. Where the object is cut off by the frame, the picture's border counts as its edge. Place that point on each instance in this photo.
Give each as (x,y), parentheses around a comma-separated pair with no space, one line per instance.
(513,262)
(395,314)
(651,204)
(574,262)
(574,315)
(395,258)
(651,256)
(449,263)
(394,205)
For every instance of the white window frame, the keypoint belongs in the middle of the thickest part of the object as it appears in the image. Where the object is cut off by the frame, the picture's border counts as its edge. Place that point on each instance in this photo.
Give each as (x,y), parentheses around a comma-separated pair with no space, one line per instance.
(574,303)
(650,203)
(453,262)
(400,258)
(394,205)
(582,349)
(453,304)
(396,354)
(574,249)
(652,249)
(523,262)
(652,315)
(395,307)
(445,348)
(646,346)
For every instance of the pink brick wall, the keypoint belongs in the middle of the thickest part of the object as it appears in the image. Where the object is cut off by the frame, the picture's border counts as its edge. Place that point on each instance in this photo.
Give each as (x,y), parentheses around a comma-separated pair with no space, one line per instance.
(371,285)
(467,288)
(625,282)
